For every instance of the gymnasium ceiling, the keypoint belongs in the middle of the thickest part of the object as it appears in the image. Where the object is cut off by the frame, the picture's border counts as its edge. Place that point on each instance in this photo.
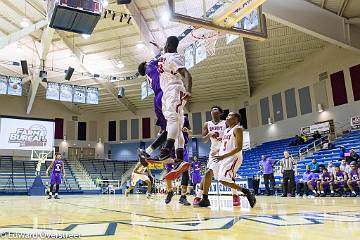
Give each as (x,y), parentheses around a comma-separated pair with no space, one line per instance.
(222,76)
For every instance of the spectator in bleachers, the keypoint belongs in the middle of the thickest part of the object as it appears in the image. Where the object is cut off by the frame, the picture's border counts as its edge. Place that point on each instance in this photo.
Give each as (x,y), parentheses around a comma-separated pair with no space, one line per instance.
(342,153)
(297,141)
(340,179)
(97,181)
(327,145)
(314,166)
(304,137)
(302,185)
(267,167)
(287,167)
(331,167)
(344,167)
(354,157)
(316,135)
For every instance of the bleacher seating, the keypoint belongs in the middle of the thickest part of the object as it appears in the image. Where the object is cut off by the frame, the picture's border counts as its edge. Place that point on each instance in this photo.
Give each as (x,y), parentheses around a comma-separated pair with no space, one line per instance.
(110,169)
(349,141)
(17,176)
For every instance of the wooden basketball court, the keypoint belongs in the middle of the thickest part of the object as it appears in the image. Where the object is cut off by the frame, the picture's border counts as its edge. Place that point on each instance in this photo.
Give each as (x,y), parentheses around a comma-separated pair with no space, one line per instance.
(135,217)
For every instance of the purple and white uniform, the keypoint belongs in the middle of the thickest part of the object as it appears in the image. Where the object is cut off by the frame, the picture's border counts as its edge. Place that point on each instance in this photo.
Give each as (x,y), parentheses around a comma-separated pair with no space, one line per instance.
(354,176)
(340,177)
(153,77)
(195,175)
(326,178)
(56,172)
(314,179)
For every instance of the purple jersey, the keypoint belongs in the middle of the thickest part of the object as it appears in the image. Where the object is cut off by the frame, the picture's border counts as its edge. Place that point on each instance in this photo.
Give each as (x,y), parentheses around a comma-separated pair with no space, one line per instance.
(339,176)
(326,177)
(354,174)
(56,172)
(57,168)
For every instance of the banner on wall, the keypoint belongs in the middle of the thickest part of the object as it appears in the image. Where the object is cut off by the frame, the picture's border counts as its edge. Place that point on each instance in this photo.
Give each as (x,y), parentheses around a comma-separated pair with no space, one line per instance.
(320,127)
(355,122)
(26,134)
(223,190)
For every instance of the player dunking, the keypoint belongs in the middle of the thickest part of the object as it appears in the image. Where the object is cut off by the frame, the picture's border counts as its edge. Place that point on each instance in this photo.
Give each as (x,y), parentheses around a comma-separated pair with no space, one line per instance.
(140,173)
(58,169)
(173,79)
(230,159)
(214,130)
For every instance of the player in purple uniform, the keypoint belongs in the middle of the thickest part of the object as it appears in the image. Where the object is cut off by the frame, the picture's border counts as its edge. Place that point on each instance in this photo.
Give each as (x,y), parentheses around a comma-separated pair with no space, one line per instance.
(340,179)
(312,183)
(196,175)
(175,174)
(354,178)
(150,69)
(326,180)
(58,169)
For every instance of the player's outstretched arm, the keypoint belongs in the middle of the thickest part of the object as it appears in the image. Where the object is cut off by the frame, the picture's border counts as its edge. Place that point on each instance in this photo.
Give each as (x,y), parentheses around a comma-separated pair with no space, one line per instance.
(48,169)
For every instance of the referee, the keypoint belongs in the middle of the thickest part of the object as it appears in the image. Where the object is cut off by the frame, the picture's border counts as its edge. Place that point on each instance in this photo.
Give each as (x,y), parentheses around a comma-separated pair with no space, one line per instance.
(287,165)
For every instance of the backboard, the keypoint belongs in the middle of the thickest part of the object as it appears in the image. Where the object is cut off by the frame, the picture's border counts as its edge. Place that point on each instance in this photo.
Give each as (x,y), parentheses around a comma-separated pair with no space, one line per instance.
(239,17)
(43,154)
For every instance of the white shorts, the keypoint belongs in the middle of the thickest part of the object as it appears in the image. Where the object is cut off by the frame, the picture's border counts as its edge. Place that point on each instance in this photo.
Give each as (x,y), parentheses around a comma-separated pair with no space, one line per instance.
(228,168)
(214,166)
(135,177)
(172,103)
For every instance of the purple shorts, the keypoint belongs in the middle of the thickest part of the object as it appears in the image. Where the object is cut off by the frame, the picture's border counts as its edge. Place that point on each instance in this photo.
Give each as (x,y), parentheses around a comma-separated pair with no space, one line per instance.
(161,121)
(354,184)
(339,184)
(196,177)
(55,178)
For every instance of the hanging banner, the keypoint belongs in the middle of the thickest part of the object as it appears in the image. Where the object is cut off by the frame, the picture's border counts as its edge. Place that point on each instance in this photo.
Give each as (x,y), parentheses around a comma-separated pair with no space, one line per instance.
(355,122)
(320,127)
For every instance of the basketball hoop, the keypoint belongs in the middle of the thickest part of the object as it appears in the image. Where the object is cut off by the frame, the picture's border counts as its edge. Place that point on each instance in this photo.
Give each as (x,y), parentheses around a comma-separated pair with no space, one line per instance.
(207,37)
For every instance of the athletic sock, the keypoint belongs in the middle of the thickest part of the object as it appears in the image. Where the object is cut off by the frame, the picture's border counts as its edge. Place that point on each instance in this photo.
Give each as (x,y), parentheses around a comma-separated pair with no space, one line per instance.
(199,193)
(322,191)
(50,193)
(149,150)
(205,196)
(332,191)
(314,191)
(353,192)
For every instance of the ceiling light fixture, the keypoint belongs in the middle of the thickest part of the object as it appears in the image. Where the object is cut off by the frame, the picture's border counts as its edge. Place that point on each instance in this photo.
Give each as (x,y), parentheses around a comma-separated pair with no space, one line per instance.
(120,65)
(140,45)
(85,36)
(105,3)
(165,17)
(24,22)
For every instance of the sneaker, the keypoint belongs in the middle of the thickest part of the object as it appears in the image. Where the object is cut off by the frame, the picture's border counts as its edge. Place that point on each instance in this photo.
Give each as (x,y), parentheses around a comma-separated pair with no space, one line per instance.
(169,197)
(178,169)
(316,194)
(56,197)
(164,154)
(353,194)
(184,201)
(196,201)
(204,203)
(148,195)
(284,195)
(322,195)
(50,197)
(236,200)
(250,197)
(332,195)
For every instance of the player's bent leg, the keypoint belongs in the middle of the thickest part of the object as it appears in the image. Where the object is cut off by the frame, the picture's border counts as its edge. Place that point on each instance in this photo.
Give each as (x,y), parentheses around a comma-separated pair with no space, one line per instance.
(207,183)
(57,191)
(51,190)
(148,193)
(128,190)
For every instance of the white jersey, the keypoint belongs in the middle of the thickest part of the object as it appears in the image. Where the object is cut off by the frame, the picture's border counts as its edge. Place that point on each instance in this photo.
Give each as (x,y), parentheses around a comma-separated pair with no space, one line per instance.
(168,65)
(217,131)
(229,142)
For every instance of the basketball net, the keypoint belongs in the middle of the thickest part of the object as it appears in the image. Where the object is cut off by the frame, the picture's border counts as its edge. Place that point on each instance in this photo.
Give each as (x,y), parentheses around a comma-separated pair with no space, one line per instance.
(207,37)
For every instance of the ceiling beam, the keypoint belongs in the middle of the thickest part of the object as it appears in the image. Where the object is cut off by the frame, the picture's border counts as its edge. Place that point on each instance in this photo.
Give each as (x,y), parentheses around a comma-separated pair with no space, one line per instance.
(43,50)
(323,3)
(318,22)
(142,27)
(13,37)
(106,84)
(342,7)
